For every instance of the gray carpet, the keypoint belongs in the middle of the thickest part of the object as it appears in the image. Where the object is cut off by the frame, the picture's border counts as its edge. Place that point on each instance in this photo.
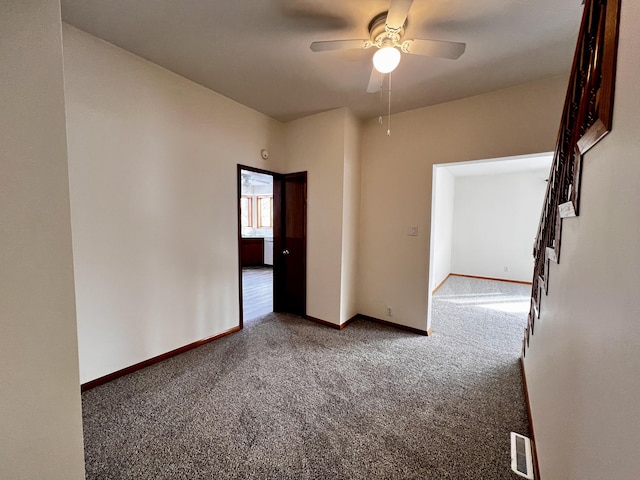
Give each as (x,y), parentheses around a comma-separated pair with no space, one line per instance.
(289,399)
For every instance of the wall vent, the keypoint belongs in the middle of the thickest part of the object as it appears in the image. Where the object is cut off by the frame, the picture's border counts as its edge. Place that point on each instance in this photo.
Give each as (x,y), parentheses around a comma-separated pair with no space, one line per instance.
(521,459)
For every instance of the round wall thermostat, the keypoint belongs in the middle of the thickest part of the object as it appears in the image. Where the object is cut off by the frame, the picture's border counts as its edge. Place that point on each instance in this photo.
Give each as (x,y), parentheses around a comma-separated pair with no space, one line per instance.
(264,153)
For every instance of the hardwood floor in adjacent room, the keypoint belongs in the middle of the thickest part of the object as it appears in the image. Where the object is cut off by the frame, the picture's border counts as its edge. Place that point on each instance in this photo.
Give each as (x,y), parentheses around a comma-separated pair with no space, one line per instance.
(257,292)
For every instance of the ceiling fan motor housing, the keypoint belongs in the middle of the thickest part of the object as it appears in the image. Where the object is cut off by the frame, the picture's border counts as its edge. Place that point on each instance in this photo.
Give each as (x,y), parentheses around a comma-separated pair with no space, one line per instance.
(381,34)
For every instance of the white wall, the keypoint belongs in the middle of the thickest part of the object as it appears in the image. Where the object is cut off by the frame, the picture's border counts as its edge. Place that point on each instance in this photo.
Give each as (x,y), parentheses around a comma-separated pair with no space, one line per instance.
(397,180)
(40,415)
(495,224)
(583,362)
(152,160)
(442,225)
(316,144)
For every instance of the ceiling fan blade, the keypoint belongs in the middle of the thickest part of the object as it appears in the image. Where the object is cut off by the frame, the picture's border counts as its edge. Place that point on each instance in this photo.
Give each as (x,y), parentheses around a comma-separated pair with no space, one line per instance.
(375,81)
(338,45)
(434,48)
(398,11)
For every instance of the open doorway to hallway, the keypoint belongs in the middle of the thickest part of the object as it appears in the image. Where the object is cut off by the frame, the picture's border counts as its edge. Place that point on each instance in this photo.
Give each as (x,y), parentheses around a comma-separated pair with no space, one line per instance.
(484,219)
(256,243)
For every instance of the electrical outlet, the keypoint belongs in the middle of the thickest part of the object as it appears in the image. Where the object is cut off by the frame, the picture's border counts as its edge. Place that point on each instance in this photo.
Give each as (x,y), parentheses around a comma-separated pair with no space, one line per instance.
(389,312)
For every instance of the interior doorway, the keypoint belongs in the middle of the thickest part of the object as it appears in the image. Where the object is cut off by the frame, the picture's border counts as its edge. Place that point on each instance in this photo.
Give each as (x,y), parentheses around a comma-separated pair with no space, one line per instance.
(484,218)
(256,216)
(272,241)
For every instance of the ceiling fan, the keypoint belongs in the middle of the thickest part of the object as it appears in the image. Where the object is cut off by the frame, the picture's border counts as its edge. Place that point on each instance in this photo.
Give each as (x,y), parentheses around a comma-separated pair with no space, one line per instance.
(386,32)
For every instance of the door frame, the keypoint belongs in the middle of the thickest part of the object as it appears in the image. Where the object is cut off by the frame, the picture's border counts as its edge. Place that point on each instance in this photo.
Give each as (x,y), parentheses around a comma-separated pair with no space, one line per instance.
(239,220)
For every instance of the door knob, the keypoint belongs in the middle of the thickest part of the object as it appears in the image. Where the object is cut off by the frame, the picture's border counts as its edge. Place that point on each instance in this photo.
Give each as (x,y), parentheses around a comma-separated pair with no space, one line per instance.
(285,252)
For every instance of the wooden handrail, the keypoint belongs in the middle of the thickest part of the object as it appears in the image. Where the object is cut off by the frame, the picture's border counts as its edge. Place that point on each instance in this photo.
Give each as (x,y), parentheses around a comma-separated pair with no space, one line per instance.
(586,119)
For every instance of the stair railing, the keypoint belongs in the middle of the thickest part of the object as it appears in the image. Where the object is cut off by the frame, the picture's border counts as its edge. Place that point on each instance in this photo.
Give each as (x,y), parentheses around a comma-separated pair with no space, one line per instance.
(586,119)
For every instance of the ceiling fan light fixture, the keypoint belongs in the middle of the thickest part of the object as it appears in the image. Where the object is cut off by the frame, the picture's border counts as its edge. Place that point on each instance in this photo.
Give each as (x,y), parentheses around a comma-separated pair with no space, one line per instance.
(386,59)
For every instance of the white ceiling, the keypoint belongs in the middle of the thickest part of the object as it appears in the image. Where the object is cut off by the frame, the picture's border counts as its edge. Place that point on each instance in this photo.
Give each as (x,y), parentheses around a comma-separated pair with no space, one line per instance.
(256,178)
(257,51)
(538,163)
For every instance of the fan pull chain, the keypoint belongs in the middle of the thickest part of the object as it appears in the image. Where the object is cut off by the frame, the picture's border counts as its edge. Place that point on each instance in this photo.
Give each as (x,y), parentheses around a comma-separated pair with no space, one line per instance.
(381,105)
(389,110)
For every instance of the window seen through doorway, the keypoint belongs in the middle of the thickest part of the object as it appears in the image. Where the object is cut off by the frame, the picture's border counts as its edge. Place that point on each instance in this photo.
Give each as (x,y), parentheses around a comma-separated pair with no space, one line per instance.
(265,211)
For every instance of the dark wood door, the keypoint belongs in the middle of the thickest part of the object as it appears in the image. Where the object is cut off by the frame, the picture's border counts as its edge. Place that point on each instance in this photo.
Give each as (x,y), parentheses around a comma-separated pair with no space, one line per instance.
(290,243)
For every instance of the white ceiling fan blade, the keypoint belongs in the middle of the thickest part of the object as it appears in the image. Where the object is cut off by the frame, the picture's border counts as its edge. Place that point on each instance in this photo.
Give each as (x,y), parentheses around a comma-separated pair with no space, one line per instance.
(434,48)
(338,45)
(397,15)
(375,81)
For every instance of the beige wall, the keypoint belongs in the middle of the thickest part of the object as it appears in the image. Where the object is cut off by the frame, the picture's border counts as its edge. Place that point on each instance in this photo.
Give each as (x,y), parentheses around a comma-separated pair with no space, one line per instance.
(396,182)
(153,166)
(328,147)
(316,144)
(350,217)
(583,363)
(152,160)
(40,417)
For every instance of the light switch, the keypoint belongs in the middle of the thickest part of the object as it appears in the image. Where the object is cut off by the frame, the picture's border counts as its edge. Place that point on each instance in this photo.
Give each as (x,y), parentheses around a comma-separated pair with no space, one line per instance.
(413,231)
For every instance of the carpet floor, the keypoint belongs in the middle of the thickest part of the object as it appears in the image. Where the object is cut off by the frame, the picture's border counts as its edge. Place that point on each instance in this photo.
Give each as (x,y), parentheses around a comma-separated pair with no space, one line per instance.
(286,398)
